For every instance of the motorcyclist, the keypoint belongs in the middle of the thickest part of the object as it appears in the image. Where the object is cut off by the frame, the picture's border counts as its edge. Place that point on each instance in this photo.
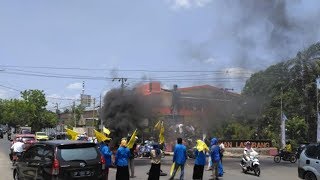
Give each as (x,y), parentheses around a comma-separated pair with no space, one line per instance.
(17,149)
(287,150)
(248,150)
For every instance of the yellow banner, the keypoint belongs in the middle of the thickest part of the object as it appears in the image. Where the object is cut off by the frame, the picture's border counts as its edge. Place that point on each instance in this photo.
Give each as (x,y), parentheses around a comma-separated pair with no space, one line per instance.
(106,131)
(161,134)
(158,125)
(132,139)
(100,137)
(72,134)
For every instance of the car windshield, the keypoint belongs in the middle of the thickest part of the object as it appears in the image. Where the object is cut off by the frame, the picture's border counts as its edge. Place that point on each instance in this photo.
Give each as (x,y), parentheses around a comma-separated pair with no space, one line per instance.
(25,131)
(78,153)
(24,139)
(41,134)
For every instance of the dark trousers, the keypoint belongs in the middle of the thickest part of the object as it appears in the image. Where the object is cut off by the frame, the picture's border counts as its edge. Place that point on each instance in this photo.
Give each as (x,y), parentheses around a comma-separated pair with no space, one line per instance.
(154,173)
(198,172)
(122,173)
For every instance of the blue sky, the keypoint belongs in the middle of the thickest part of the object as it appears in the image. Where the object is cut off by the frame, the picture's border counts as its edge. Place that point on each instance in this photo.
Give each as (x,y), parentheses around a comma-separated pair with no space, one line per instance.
(165,35)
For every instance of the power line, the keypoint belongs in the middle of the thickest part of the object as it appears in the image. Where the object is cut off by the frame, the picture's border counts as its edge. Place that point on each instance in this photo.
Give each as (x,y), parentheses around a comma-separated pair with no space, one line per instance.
(10,88)
(109,78)
(124,70)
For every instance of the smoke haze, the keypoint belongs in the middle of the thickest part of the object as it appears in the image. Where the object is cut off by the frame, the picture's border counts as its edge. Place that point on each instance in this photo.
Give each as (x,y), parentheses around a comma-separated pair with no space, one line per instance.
(252,34)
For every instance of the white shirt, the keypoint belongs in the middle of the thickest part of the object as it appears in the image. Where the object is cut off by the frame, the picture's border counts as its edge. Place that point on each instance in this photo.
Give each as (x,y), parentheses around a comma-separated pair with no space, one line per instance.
(221,147)
(249,152)
(18,147)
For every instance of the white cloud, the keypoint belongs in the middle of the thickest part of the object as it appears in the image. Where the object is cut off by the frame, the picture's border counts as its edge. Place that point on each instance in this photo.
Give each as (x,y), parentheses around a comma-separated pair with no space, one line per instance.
(185,4)
(209,61)
(74,86)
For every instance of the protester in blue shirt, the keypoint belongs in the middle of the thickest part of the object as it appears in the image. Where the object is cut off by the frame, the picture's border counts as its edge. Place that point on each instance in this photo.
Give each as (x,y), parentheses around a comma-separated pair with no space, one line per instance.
(105,151)
(199,165)
(179,158)
(215,156)
(122,157)
(200,154)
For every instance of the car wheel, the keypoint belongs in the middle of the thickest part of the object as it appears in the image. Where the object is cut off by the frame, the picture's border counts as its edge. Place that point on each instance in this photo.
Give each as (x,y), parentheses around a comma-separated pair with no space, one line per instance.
(16,175)
(277,159)
(310,176)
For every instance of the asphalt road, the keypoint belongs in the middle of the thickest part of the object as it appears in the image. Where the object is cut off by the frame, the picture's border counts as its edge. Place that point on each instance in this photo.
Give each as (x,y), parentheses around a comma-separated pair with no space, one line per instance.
(269,169)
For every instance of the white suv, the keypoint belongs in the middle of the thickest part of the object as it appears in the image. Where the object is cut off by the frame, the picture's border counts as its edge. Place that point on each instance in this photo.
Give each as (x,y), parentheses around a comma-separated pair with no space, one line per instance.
(309,163)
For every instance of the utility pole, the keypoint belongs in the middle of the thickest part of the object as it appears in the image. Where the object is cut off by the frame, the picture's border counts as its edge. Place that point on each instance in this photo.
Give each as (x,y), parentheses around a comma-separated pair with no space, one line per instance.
(82,88)
(122,80)
(318,118)
(94,107)
(58,115)
(74,113)
(101,122)
(283,125)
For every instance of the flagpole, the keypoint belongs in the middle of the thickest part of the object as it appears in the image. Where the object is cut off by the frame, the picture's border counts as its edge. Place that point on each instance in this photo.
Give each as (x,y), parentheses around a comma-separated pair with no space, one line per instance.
(318,118)
(283,126)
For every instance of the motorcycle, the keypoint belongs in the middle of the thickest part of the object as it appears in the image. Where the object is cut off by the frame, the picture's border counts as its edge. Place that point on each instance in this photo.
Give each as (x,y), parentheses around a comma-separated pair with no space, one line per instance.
(292,157)
(144,150)
(252,165)
(14,157)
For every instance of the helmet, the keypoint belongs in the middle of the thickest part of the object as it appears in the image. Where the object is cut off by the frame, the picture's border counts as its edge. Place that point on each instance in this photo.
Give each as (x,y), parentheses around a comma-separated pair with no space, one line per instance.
(248,143)
(288,142)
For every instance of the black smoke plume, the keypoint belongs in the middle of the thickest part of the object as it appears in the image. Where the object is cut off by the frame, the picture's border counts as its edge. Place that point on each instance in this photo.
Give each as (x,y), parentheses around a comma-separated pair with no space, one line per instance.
(126,110)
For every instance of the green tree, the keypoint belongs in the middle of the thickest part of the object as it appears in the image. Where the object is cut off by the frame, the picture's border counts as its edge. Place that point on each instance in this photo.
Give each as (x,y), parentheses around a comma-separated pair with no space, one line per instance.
(293,82)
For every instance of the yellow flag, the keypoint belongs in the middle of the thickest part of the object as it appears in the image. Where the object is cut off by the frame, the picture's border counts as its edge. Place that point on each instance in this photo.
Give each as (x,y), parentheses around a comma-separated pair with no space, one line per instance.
(161,134)
(106,131)
(201,146)
(158,125)
(100,137)
(132,139)
(73,134)
(172,169)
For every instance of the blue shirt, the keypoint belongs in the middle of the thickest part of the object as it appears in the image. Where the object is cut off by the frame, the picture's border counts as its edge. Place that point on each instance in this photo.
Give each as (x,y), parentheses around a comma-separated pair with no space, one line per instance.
(180,154)
(122,156)
(200,158)
(215,150)
(105,151)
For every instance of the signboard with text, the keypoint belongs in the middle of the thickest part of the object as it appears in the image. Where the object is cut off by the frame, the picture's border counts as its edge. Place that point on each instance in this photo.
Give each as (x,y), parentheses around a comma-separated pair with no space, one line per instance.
(241,143)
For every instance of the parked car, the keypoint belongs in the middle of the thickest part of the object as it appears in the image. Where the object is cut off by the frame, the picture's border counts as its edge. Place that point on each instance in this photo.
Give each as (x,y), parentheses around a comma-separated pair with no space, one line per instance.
(58,136)
(42,136)
(60,160)
(309,162)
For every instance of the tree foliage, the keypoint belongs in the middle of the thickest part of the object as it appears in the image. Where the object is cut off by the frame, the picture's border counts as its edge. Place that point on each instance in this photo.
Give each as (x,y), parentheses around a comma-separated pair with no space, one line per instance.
(28,111)
(293,82)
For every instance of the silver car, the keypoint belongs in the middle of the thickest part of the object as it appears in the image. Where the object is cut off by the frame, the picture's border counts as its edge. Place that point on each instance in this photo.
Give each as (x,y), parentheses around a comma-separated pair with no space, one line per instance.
(309,163)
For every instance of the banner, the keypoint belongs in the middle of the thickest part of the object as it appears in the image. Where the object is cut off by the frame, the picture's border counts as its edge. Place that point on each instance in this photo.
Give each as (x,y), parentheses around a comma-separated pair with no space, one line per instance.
(106,131)
(161,134)
(72,134)
(100,137)
(132,139)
